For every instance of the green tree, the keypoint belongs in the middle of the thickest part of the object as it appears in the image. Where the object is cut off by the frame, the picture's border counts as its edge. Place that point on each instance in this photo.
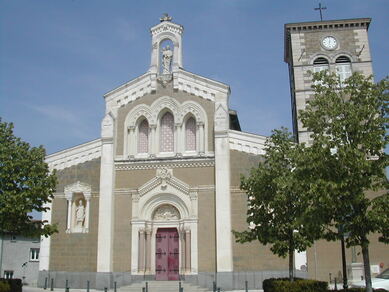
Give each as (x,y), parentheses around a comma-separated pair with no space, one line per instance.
(346,158)
(277,209)
(25,185)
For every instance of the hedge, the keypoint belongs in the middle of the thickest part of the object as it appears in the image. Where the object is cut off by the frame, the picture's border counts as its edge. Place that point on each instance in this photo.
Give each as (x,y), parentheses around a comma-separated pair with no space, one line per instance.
(361,290)
(4,287)
(13,285)
(298,285)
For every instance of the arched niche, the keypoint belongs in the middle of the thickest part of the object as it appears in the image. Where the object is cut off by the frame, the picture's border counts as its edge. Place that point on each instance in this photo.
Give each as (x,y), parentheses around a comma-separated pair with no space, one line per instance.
(78,203)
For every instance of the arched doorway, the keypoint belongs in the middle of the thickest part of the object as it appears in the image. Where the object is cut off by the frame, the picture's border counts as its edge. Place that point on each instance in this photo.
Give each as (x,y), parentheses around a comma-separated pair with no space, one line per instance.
(167,254)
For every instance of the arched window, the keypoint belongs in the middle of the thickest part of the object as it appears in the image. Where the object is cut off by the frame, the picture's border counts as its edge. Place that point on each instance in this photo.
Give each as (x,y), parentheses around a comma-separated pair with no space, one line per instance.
(166,136)
(320,64)
(190,135)
(143,137)
(343,68)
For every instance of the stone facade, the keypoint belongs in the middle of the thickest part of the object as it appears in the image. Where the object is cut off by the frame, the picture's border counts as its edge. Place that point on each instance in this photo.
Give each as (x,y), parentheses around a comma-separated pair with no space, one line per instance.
(114,203)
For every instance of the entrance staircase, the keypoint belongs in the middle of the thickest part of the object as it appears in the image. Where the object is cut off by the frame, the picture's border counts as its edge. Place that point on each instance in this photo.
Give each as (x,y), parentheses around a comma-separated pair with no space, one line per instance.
(162,286)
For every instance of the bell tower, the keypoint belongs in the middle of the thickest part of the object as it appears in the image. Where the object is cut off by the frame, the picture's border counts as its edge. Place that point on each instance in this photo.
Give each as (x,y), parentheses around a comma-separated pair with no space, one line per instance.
(166,41)
(339,46)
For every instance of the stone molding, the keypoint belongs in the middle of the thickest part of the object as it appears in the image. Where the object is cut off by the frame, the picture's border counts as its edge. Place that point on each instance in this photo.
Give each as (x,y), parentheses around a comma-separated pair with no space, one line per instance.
(245,142)
(191,163)
(164,176)
(78,187)
(145,84)
(198,85)
(167,26)
(75,155)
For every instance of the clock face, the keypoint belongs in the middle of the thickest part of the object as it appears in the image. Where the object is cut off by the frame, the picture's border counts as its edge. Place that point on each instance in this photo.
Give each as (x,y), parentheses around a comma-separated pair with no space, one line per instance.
(329,43)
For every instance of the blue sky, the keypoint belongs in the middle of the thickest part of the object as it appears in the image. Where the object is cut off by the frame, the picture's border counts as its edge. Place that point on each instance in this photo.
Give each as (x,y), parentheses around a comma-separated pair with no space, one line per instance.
(58,58)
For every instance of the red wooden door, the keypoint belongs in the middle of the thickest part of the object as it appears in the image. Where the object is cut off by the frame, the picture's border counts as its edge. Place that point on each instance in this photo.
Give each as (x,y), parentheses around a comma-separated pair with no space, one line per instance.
(166,254)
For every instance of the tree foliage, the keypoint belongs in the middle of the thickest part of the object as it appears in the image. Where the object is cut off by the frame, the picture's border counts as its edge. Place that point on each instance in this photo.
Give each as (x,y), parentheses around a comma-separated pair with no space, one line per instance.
(25,185)
(277,210)
(346,158)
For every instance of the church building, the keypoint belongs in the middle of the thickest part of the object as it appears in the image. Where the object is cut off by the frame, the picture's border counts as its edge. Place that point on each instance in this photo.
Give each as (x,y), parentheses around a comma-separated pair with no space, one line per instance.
(157,195)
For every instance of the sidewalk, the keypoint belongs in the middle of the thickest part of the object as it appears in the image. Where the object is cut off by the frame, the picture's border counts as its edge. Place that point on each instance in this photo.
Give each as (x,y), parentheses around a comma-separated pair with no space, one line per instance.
(36,289)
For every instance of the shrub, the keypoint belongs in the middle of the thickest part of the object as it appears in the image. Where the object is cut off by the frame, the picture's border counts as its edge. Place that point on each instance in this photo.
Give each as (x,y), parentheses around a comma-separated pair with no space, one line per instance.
(4,286)
(361,290)
(15,285)
(299,285)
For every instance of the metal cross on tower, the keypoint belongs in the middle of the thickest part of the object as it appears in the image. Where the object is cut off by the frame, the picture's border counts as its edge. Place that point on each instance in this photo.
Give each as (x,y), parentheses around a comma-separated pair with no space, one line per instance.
(320,8)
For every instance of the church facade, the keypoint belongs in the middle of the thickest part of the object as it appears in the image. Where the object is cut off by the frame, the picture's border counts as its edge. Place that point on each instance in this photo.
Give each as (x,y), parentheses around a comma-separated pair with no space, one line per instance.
(157,195)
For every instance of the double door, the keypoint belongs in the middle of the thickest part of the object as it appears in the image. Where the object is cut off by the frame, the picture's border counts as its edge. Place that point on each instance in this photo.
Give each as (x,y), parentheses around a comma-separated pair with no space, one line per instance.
(167,254)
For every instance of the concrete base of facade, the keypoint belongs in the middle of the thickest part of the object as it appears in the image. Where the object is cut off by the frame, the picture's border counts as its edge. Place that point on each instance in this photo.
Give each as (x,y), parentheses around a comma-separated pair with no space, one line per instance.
(225,280)
(237,280)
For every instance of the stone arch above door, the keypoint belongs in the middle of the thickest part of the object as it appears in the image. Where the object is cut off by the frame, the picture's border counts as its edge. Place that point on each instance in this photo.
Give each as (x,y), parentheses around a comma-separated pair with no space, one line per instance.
(164,202)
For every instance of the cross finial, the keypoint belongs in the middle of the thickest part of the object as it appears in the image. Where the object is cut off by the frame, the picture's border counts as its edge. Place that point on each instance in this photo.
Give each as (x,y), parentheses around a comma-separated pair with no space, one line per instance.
(165,17)
(320,8)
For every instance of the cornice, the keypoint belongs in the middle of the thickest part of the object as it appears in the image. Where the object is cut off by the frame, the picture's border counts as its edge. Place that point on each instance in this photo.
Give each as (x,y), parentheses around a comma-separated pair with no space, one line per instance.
(328,24)
(166,26)
(246,142)
(198,85)
(75,155)
(154,164)
(147,83)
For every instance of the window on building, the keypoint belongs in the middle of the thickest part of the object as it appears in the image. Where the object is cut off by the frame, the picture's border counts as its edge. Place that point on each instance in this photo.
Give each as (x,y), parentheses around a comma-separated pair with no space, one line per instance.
(8,274)
(320,64)
(166,140)
(34,254)
(143,137)
(190,135)
(343,68)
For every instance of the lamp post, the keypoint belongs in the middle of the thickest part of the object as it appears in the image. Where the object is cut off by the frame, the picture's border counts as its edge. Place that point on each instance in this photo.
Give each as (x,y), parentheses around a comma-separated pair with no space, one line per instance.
(342,237)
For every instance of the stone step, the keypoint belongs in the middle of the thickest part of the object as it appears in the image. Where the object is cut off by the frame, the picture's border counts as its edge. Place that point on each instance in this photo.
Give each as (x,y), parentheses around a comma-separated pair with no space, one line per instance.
(162,286)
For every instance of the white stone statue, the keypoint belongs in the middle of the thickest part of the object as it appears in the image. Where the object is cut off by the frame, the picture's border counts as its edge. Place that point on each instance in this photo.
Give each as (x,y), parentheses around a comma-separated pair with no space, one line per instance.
(167,55)
(80,214)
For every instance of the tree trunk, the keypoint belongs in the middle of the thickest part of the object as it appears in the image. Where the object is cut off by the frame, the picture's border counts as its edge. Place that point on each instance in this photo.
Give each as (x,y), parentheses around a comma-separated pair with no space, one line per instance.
(366,264)
(291,265)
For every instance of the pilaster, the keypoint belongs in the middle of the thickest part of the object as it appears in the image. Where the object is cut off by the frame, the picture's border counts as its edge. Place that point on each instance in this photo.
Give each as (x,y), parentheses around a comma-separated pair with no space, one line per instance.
(222,181)
(106,203)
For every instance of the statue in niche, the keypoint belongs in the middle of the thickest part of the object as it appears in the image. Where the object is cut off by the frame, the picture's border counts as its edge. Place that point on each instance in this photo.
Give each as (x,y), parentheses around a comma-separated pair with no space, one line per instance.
(167,55)
(80,214)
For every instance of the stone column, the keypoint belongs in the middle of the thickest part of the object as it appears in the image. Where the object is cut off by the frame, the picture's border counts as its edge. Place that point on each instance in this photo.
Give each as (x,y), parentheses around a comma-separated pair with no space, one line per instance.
(201,138)
(131,141)
(148,250)
(177,139)
(187,251)
(141,257)
(69,219)
(87,211)
(183,247)
(153,140)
